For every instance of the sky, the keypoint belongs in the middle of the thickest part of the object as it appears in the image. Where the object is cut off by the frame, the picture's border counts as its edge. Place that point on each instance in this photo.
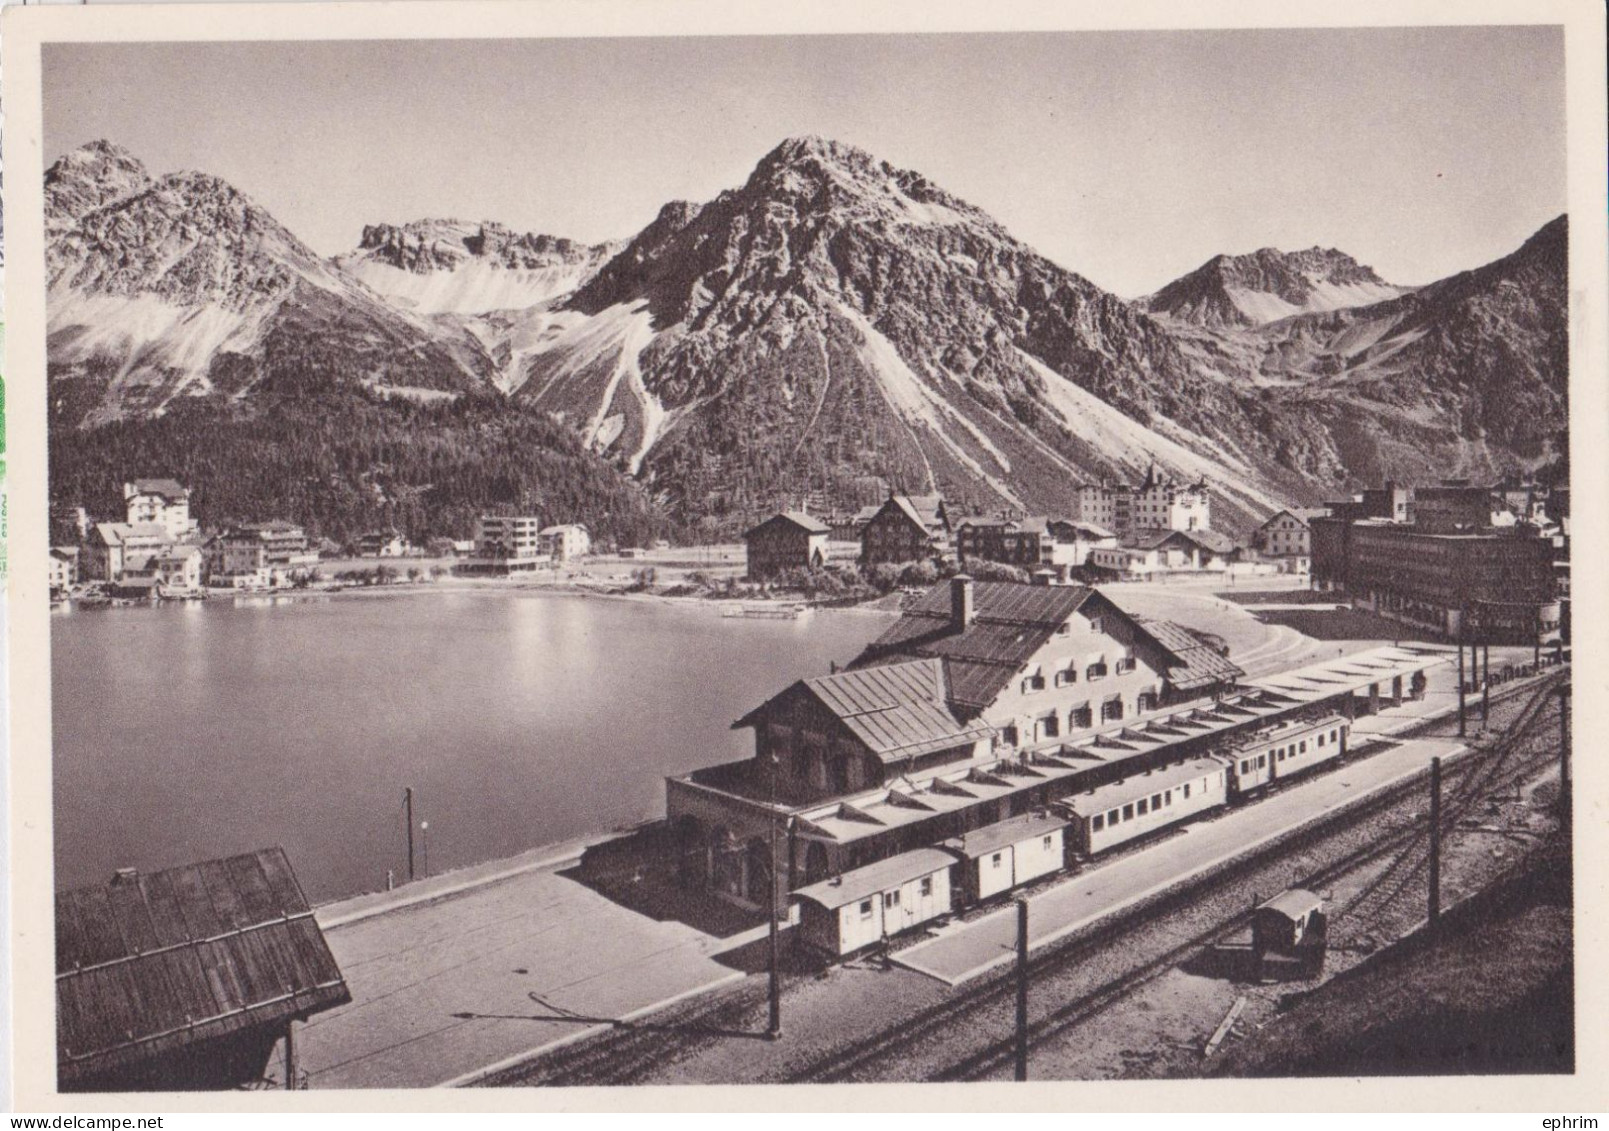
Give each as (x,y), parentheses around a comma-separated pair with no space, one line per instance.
(1128,157)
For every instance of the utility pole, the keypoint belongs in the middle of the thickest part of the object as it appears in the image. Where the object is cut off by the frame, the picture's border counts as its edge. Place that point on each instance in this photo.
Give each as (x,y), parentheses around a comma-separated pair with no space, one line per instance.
(1435,843)
(407,805)
(1460,679)
(1022,990)
(1565,800)
(290,1055)
(1486,683)
(774,1028)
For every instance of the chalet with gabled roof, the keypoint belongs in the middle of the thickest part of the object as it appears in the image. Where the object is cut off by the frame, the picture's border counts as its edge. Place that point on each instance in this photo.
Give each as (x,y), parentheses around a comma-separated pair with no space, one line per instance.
(907,528)
(788,540)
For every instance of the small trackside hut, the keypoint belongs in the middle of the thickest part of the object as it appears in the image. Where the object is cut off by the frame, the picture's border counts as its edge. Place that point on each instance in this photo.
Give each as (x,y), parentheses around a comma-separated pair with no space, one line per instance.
(1113,814)
(862,908)
(186,979)
(1005,855)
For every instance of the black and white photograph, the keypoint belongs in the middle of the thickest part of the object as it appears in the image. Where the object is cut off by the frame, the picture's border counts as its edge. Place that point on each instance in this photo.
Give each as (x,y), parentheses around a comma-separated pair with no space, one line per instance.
(884,555)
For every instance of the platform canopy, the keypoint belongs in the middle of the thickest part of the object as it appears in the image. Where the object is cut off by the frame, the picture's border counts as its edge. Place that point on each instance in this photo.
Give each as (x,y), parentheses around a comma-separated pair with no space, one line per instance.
(1345,675)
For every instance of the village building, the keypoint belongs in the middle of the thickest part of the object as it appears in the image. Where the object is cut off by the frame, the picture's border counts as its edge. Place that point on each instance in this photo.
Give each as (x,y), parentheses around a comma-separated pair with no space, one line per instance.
(1172,551)
(1156,504)
(949,720)
(174,569)
(907,528)
(63,568)
(160,502)
(786,541)
(187,979)
(259,555)
(505,545)
(382,544)
(567,542)
(1288,537)
(1031,543)
(1452,567)
(69,524)
(116,547)
(850,525)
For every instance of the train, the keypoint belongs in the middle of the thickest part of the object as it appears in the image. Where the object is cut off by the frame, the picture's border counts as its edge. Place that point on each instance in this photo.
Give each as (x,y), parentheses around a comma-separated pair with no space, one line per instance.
(870,905)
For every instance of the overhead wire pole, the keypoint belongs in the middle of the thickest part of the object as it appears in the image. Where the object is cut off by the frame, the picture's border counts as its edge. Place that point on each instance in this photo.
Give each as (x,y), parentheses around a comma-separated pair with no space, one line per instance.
(1022,990)
(1565,800)
(1460,679)
(407,805)
(774,1027)
(1435,843)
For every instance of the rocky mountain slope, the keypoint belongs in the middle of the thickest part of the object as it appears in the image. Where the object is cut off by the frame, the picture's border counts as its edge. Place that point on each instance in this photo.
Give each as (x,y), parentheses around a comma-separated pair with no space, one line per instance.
(1466,376)
(182,286)
(452,267)
(1267,285)
(836,321)
(833,326)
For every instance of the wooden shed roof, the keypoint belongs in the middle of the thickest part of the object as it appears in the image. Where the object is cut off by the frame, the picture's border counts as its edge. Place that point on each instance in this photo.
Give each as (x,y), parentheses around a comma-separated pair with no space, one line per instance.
(148,964)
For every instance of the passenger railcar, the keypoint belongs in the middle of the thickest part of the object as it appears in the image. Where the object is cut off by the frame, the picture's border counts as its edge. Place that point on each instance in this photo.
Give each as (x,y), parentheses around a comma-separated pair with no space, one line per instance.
(867,905)
(1284,751)
(1008,854)
(1121,811)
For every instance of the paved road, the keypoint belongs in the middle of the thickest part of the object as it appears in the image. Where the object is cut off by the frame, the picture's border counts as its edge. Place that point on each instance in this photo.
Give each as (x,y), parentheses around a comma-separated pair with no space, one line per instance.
(962,951)
(444,989)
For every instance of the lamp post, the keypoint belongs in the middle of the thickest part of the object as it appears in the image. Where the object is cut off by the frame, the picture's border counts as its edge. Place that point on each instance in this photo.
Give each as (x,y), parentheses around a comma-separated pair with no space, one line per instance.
(774,1028)
(424,829)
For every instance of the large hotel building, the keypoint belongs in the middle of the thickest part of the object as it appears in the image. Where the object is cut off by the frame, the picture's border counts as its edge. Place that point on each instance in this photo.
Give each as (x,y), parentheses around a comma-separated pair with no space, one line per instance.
(1444,559)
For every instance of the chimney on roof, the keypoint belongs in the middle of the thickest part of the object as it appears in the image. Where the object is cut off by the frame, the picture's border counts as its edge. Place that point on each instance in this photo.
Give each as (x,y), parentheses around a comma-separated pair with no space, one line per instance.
(960,601)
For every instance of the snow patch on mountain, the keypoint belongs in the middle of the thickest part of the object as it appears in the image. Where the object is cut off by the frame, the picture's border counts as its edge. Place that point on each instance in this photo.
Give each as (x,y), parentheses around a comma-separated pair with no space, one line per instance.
(475,287)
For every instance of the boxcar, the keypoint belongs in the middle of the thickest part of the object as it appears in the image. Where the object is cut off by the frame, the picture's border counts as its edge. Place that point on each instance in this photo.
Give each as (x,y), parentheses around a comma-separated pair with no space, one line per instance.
(1008,854)
(1284,751)
(867,905)
(1112,814)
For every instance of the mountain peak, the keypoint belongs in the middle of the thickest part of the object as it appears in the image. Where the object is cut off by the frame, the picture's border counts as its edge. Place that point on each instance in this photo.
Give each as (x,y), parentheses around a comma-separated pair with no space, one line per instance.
(95,174)
(1269,284)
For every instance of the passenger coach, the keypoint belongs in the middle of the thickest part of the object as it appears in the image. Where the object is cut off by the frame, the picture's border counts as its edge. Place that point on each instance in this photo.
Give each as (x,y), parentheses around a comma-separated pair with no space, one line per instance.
(1114,814)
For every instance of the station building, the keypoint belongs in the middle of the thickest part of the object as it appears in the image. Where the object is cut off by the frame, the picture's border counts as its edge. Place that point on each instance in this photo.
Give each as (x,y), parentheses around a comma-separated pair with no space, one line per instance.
(984,702)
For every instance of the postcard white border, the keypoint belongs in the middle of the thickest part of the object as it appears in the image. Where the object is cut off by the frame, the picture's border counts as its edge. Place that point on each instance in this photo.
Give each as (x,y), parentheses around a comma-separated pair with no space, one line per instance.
(24,30)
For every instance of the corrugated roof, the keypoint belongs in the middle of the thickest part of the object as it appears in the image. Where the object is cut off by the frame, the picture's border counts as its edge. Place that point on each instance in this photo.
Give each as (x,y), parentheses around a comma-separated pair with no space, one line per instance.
(993,837)
(152,963)
(874,879)
(897,710)
(1200,665)
(1105,797)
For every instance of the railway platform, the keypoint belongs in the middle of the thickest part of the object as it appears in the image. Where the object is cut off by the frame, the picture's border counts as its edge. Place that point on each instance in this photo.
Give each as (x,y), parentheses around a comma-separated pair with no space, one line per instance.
(964,950)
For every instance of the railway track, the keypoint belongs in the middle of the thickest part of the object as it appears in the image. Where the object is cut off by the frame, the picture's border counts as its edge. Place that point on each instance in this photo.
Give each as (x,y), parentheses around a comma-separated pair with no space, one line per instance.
(1479,780)
(635,1050)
